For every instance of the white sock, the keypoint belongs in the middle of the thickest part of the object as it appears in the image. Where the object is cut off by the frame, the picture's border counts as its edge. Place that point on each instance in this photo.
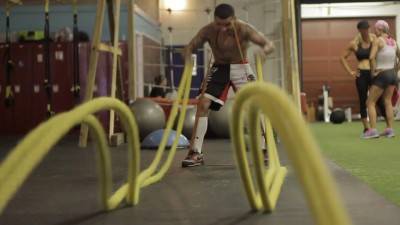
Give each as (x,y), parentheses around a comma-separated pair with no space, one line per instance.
(200,133)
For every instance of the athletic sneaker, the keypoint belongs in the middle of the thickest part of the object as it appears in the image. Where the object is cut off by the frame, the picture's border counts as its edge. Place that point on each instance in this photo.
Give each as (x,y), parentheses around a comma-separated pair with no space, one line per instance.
(265,151)
(388,132)
(365,130)
(371,133)
(193,159)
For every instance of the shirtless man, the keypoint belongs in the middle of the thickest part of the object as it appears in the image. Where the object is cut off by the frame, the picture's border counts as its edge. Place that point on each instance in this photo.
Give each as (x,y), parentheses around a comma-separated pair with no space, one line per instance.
(230,67)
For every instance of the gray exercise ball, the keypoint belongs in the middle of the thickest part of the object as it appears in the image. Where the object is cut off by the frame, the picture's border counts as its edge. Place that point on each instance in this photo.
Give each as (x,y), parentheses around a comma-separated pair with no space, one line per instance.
(219,121)
(188,123)
(149,116)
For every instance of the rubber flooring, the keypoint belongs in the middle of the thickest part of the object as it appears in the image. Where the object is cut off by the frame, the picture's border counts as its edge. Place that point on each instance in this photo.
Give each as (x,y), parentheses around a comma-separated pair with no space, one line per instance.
(63,190)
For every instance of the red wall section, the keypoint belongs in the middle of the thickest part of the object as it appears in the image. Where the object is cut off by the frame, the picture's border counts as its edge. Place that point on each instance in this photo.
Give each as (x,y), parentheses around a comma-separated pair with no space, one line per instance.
(28,76)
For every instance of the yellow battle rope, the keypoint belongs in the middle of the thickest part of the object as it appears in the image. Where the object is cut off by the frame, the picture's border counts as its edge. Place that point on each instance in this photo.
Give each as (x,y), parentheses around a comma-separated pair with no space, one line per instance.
(146,177)
(21,161)
(30,151)
(301,148)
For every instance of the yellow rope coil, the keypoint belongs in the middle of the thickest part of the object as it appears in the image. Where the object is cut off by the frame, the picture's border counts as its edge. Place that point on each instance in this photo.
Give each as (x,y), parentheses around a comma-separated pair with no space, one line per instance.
(30,151)
(21,161)
(301,148)
(46,6)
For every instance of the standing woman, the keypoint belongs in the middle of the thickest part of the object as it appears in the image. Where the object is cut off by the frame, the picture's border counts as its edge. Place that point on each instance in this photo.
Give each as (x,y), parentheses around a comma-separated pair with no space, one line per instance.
(384,61)
(361,47)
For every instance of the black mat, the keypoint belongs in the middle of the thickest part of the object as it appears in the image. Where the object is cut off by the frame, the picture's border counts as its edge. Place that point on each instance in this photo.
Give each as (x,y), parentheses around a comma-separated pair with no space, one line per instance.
(63,190)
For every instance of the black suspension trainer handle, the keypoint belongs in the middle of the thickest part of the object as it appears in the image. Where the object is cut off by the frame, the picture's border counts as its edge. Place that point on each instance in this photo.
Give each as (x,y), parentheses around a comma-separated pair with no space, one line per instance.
(47,75)
(9,98)
(75,50)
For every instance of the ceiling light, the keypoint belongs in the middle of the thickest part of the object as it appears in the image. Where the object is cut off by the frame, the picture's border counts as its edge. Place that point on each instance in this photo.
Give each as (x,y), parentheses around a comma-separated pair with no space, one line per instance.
(175,4)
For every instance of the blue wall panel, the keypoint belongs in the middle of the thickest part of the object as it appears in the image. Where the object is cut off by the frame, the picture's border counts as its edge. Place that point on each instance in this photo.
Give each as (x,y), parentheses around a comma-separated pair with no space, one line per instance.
(32,18)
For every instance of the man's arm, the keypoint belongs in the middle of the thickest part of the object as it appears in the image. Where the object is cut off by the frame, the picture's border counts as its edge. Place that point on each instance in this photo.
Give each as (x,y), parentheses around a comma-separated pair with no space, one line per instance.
(196,43)
(259,39)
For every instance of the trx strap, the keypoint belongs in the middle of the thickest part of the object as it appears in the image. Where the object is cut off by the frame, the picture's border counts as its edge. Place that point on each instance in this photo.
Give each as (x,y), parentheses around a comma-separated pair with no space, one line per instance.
(47,76)
(75,51)
(9,98)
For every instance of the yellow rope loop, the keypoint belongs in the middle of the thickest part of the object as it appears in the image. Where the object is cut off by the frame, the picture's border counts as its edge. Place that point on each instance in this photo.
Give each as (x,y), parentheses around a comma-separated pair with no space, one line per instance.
(103,159)
(46,5)
(300,146)
(75,2)
(9,92)
(271,180)
(23,159)
(259,69)
(147,176)
(8,8)
(269,133)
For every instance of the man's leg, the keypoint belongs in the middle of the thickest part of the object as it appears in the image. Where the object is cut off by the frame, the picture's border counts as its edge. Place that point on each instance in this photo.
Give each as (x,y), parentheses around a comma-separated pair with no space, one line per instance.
(195,155)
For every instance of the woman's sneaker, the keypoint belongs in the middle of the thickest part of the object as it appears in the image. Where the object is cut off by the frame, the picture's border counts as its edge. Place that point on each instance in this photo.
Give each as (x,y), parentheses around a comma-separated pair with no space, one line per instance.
(193,159)
(388,132)
(371,133)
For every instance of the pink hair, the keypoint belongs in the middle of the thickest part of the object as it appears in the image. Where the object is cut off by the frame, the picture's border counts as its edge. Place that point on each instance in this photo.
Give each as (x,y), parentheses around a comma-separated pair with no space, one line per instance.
(381,24)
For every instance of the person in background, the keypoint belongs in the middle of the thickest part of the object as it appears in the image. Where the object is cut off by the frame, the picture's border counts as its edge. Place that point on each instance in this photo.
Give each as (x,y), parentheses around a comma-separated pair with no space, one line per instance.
(160,89)
(384,61)
(361,47)
(229,39)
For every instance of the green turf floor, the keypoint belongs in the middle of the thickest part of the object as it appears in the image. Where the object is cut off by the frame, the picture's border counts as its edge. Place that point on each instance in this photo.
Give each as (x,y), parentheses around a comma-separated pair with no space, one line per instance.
(374,161)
